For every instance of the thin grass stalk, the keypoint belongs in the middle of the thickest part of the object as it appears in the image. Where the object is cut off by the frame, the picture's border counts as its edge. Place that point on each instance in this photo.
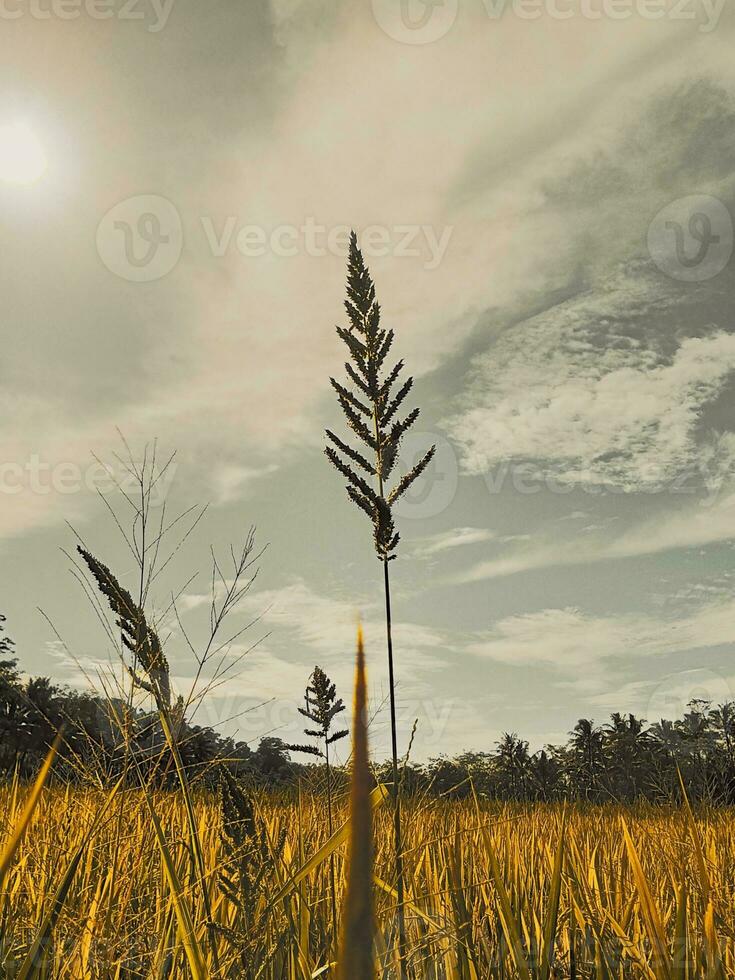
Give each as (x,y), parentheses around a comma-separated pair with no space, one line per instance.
(397,834)
(330,825)
(187,930)
(321,708)
(372,410)
(148,656)
(196,845)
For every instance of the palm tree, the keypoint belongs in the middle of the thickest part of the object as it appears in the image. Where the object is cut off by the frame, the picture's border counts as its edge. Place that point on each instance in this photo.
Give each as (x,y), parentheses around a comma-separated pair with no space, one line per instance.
(545,775)
(698,742)
(13,712)
(6,644)
(625,741)
(722,719)
(666,756)
(512,765)
(586,744)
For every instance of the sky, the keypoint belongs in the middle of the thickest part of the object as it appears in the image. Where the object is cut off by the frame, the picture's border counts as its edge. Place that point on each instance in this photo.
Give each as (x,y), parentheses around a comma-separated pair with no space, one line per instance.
(544,192)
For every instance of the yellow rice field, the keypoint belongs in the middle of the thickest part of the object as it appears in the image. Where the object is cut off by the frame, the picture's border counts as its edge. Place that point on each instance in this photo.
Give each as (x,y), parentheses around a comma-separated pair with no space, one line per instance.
(483,888)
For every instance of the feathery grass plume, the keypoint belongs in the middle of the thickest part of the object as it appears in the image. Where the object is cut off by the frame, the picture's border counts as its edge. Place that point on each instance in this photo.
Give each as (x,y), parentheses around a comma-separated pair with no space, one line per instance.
(356,959)
(143,642)
(371,407)
(322,706)
(249,852)
(137,635)
(247,862)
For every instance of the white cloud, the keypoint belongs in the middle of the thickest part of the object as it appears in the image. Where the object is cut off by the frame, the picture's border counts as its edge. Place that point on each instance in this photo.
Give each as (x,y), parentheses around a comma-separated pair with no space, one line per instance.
(666,696)
(328,627)
(563,638)
(703,522)
(568,639)
(574,394)
(231,351)
(457,537)
(232,482)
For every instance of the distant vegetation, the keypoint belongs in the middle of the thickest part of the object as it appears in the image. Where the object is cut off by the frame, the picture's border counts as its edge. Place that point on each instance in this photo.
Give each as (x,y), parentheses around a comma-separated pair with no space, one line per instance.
(623,760)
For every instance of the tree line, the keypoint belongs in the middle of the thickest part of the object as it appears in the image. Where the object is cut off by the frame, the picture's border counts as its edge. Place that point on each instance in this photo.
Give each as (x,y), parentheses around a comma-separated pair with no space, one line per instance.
(625,759)
(99,734)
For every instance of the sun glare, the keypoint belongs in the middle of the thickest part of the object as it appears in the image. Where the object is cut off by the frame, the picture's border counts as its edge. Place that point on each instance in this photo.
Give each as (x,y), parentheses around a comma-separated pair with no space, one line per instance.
(22,158)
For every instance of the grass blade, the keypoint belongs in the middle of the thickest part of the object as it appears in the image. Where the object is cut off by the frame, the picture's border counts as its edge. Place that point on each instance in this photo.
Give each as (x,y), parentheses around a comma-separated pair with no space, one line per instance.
(656,936)
(552,912)
(25,818)
(34,963)
(378,796)
(510,926)
(681,950)
(183,916)
(356,957)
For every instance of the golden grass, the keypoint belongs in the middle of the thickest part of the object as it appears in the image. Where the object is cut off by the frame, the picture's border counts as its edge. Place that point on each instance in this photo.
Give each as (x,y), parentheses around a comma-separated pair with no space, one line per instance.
(356,954)
(640,893)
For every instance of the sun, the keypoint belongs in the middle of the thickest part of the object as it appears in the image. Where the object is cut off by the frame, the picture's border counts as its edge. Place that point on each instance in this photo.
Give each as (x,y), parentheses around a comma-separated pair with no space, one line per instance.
(22,157)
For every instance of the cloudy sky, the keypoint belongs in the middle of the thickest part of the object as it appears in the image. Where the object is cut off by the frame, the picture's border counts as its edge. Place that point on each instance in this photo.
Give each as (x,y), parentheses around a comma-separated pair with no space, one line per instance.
(545,195)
